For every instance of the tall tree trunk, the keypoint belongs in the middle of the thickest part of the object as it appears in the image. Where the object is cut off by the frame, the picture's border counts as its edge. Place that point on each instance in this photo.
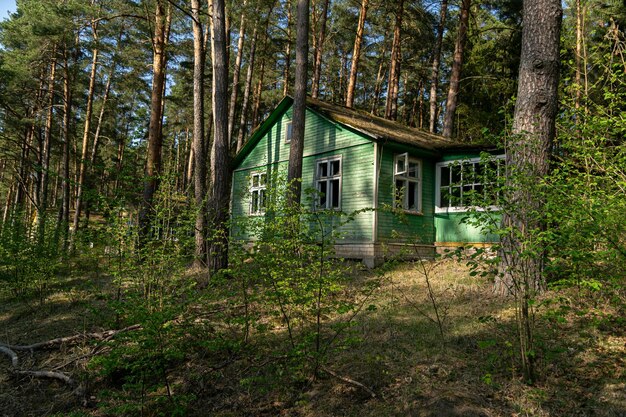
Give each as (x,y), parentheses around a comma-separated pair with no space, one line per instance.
(434,72)
(343,70)
(155,132)
(189,165)
(319,50)
(356,54)
(7,206)
(24,179)
(220,171)
(96,138)
(287,73)
(237,70)
(580,53)
(85,148)
(243,122)
(64,208)
(42,200)
(378,85)
(96,134)
(528,155)
(258,91)
(296,149)
(393,85)
(455,75)
(422,90)
(121,144)
(198,146)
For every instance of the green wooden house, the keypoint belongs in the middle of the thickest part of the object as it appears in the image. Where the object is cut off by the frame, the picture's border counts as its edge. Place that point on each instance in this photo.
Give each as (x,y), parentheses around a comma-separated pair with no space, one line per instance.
(413,182)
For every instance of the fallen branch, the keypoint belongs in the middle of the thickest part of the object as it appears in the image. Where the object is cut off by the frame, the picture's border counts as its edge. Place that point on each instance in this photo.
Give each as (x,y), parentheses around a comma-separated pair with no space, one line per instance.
(7,351)
(349,381)
(106,335)
(48,374)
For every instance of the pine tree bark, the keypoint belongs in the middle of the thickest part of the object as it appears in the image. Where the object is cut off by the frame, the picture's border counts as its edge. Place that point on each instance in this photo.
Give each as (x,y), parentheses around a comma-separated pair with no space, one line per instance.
(200,174)
(580,52)
(528,152)
(220,170)
(236,72)
(96,134)
(86,130)
(457,65)
(296,149)
(287,73)
(529,147)
(64,208)
(155,128)
(319,50)
(258,91)
(243,122)
(44,157)
(393,84)
(378,85)
(356,54)
(434,74)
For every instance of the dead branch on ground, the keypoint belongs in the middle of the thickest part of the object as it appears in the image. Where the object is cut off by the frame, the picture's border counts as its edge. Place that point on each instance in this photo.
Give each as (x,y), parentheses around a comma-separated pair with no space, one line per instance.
(349,381)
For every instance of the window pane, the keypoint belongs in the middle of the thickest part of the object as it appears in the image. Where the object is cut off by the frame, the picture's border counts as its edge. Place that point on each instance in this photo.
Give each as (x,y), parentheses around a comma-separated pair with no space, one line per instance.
(263,179)
(479,171)
(413,169)
(467,173)
(412,196)
(455,171)
(334,194)
(444,197)
(289,132)
(491,171)
(322,170)
(255,180)
(445,175)
(455,196)
(467,198)
(479,191)
(335,168)
(262,201)
(322,188)
(400,165)
(399,196)
(491,196)
(255,202)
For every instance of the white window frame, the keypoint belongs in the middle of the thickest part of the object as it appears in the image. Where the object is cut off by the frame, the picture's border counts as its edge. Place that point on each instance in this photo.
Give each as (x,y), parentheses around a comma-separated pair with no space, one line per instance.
(260,191)
(288,131)
(461,184)
(402,174)
(328,180)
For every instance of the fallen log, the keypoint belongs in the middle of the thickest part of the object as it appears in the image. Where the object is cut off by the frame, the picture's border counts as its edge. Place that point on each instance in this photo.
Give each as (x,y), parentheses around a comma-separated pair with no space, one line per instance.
(7,351)
(106,335)
(47,374)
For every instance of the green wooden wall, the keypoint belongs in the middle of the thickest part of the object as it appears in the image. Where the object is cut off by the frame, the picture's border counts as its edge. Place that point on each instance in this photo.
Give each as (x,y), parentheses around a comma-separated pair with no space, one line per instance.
(405,227)
(323,139)
(451,228)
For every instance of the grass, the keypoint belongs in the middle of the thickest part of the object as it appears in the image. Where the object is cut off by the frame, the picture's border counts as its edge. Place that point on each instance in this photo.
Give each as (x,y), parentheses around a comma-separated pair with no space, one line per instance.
(394,347)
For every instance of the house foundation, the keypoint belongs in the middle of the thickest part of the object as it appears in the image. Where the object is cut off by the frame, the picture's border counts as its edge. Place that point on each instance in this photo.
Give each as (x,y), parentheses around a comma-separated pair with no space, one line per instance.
(374,254)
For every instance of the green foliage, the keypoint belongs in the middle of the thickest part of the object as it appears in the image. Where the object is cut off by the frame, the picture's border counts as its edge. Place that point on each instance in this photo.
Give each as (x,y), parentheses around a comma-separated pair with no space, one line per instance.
(154,293)
(290,282)
(27,268)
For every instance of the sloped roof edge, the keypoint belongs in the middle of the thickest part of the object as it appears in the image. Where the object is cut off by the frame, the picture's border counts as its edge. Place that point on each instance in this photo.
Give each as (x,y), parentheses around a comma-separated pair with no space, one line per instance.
(374,127)
(262,128)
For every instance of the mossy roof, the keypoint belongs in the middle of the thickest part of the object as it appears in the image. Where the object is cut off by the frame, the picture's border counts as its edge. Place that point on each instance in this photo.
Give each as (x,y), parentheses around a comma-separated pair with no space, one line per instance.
(373,127)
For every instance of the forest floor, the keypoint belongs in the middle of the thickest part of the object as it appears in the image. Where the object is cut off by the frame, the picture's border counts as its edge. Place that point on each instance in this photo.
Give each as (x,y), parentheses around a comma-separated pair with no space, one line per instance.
(399,357)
